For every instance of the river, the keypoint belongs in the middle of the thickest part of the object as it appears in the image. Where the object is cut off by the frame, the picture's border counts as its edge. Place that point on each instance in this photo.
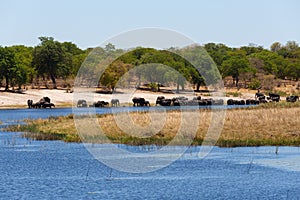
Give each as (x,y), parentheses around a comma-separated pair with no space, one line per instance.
(57,170)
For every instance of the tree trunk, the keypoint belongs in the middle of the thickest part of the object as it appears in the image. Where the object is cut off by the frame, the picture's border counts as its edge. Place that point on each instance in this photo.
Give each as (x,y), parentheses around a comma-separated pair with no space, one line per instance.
(177,89)
(53,80)
(236,81)
(182,87)
(6,83)
(198,87)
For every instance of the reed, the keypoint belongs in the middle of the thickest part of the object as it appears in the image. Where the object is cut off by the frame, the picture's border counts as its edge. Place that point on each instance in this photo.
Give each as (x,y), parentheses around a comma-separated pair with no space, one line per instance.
(272,124)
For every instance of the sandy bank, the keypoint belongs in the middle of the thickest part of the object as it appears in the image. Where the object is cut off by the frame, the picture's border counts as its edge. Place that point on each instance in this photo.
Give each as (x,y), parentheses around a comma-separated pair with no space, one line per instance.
(62,98)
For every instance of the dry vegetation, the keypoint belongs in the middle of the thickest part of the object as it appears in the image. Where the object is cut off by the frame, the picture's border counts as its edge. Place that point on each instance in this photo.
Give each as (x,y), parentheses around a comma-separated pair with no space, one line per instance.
(276,124)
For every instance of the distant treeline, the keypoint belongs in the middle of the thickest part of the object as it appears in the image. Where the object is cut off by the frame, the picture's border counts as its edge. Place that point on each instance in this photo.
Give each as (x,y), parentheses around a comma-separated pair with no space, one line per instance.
(249,66)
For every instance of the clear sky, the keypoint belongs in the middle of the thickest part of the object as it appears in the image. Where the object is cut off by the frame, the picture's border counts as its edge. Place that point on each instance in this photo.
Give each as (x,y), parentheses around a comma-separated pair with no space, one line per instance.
(88,23)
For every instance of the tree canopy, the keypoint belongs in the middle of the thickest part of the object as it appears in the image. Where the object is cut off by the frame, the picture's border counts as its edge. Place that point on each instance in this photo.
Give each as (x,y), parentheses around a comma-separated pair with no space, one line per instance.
(53,60)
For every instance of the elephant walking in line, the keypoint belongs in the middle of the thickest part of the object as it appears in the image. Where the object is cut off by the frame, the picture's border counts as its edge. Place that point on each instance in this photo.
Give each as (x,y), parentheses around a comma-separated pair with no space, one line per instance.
(115,103)
(138,101)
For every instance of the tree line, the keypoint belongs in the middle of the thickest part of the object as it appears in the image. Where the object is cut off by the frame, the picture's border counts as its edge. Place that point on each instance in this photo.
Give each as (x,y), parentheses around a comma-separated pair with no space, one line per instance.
(52,60)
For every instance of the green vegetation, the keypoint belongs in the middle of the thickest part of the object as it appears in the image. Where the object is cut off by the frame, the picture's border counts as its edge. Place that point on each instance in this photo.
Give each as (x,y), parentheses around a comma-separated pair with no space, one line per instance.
(249,66)
(234,94)
(266,124)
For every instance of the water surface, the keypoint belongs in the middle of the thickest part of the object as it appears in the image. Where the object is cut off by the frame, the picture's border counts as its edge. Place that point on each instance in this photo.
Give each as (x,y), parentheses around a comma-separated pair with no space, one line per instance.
(57,170)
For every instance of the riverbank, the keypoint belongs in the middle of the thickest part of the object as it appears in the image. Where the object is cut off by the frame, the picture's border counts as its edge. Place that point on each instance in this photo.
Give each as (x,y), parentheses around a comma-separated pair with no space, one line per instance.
(62,98)
(273,125)
(15,100)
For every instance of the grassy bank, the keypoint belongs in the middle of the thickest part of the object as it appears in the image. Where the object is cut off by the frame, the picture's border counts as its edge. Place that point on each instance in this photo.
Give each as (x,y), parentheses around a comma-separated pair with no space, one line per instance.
(272,124)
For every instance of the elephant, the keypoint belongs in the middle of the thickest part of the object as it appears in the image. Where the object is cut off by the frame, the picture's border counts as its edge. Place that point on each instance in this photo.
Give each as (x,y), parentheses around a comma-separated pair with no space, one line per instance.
(241,102)
(218,102)
(37,105)
(100,104)
(81,103)
(30,103)
(235,102)
(47,99)
(115,103)
(192,102)
(159,100)
(274,97)
(166,102)
(259,96)
(139,101)
(230,102)
(252,102)
(197,98)
(263,101)
(48,105)
(202,102)
(292,98)
(180,101)
(195,102)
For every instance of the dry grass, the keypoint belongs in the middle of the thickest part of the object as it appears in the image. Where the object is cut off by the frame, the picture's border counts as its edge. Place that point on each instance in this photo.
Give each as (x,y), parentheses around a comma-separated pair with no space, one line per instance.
(242,127)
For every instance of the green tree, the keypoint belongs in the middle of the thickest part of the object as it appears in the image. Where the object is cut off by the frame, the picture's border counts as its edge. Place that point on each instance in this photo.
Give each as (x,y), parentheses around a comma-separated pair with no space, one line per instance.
(50,58)
(235,65)
(74,57)
(276,47)
(218,52)
(23,72)
(7,65)
(273,63)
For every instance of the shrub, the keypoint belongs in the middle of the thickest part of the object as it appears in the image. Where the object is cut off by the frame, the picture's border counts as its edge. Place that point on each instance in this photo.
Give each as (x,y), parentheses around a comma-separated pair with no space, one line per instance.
(153,87)
(255,84)
(234,94)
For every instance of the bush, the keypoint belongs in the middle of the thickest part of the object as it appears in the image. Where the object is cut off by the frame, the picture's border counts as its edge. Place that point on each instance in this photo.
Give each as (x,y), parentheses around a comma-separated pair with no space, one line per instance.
(153,87)
(255,84)
(234,94)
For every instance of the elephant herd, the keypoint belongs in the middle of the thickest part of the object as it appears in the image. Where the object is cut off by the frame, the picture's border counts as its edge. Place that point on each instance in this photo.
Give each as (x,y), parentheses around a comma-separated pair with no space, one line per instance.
(196,101)
(184,101)
(83,104)
(261,98)
(44,102)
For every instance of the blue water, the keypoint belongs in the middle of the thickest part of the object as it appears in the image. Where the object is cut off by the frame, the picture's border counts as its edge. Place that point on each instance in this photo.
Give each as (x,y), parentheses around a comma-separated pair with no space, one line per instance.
(57,170)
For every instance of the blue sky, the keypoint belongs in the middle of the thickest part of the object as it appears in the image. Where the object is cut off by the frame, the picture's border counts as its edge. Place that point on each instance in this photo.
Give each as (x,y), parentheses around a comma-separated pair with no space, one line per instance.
(89,23)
